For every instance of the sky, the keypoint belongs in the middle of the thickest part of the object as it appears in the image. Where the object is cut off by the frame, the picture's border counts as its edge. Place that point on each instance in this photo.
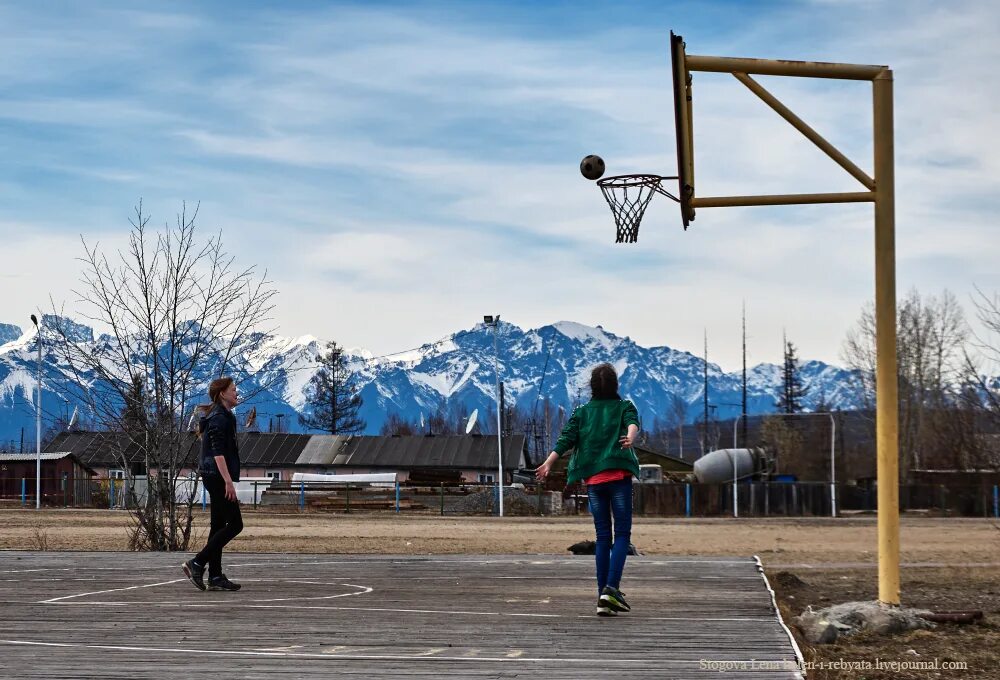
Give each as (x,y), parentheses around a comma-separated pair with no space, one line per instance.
(401,169)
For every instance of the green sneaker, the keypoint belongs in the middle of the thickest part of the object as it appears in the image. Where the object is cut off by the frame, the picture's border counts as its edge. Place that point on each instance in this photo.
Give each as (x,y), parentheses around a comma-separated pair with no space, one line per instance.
(612,598)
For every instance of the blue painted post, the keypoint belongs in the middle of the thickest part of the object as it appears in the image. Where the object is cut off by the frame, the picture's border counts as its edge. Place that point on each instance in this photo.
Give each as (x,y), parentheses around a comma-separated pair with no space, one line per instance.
(203,499)
(111,494)
(397,496)
(302,495)
(687,500)
(23,491)
(996,500)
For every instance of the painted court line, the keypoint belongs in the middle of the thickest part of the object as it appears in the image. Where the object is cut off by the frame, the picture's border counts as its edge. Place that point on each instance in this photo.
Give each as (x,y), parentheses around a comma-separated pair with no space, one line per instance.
(110,590)
(362,657)
(448,612)
(363,590)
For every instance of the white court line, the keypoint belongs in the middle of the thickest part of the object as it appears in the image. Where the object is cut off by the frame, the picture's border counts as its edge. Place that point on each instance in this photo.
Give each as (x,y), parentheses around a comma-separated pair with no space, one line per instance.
(369,657)
(110,590)
(450,612)
(364,591)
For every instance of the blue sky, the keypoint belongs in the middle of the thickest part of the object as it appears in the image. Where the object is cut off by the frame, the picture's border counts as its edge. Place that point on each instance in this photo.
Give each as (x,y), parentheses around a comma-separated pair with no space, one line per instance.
(400,169)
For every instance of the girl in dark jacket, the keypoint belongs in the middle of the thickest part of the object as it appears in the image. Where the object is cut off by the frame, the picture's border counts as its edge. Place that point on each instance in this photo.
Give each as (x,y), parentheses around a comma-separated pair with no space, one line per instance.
(220,468)
(601,434)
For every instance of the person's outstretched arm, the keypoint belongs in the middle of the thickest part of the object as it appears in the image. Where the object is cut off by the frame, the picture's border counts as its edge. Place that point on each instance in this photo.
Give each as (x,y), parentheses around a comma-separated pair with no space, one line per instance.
(567,440)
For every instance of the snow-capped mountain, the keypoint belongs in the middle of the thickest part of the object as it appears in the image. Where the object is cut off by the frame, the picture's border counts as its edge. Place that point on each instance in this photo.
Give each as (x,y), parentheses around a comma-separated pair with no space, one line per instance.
(451,377)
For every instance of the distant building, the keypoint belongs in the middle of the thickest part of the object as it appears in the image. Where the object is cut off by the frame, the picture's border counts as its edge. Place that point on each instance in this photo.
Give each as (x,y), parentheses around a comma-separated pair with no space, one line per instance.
(418,458)
(65,478)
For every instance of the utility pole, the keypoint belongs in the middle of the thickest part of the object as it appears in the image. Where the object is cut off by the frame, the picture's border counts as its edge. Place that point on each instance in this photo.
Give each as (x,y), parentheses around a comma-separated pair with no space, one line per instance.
(38,420)
(744,373)
(705,390)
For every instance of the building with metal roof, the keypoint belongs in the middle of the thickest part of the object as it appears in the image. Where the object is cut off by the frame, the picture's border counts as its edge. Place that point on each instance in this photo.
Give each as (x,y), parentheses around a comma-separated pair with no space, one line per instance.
(472,458)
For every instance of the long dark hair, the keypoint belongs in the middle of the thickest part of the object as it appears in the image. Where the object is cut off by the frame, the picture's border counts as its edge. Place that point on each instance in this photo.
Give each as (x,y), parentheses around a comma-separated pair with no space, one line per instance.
(604,382)
(215,390)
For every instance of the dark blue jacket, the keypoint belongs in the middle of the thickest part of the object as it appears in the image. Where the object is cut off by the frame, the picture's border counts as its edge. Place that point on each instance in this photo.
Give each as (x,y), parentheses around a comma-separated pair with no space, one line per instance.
(218,438)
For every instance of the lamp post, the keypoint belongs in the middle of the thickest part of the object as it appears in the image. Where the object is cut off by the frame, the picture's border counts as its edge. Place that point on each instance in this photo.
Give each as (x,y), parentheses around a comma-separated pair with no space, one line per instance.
(38,419)
(833,451)
(494,322)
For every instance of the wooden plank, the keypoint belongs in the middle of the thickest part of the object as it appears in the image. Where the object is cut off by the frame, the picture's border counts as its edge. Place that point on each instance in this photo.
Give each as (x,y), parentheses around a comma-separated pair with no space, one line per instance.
(114,615)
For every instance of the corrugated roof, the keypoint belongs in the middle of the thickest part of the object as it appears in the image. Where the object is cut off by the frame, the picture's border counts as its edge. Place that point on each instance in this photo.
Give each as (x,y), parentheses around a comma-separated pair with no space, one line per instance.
(28,457)
(49,455)
(446,451)
(98,449)
(266,448)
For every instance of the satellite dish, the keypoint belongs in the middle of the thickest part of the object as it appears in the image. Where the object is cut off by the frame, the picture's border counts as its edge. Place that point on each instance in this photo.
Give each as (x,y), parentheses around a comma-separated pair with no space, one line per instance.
(72,420)
(472,421)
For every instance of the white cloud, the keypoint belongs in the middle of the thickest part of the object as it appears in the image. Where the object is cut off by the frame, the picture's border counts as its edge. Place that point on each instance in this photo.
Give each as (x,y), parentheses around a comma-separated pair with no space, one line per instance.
(398,172)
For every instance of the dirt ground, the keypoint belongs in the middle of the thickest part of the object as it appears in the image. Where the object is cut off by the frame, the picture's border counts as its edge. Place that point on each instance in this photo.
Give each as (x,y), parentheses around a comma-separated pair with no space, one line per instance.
(948,563)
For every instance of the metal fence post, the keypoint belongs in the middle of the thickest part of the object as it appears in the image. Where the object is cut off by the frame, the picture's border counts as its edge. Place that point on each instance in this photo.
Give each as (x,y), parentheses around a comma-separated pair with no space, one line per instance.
(687,499)
(996,500)
(442,499)
(255,495)
(397,497)
(348,508)
(302,495)
(203,499)
(23,490)
(111,494)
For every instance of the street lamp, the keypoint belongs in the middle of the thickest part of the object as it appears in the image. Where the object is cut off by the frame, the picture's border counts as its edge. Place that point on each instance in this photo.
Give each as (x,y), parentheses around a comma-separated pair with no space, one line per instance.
(833,451)
(494,322)
(38,420)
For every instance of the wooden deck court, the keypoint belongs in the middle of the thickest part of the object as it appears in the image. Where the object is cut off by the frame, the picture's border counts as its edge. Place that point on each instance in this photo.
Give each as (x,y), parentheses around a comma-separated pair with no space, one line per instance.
(134,615)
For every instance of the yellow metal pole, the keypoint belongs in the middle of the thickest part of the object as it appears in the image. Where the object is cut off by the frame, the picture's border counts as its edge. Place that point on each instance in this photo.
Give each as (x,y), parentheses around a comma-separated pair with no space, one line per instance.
(781,67)
(886,397)
(781,199)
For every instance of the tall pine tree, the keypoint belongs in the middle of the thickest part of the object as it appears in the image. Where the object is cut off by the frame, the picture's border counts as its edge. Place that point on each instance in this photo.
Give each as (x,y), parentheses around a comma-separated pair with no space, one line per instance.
(792,390)
(335,403)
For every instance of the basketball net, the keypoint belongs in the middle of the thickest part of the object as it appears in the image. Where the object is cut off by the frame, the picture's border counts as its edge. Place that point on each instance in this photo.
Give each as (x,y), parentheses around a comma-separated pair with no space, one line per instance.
(628,196)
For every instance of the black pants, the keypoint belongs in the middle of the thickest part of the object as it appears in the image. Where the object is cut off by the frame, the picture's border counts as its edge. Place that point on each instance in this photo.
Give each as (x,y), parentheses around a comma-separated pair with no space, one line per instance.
(227,523)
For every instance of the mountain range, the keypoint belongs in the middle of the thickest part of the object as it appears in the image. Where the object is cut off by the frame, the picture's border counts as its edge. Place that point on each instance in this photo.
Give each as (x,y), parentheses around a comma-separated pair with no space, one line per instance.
(449,377)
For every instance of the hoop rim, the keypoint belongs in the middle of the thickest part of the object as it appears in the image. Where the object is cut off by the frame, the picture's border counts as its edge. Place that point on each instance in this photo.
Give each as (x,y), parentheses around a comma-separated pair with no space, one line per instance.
(635,180)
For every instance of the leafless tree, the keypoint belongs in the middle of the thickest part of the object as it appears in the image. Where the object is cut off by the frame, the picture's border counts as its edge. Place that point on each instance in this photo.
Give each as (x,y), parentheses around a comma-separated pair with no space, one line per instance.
(982,366)
(932,338)
(178,313)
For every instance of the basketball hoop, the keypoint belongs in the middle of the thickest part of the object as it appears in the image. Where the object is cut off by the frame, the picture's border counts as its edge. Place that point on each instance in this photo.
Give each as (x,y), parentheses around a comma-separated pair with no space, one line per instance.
(628,196)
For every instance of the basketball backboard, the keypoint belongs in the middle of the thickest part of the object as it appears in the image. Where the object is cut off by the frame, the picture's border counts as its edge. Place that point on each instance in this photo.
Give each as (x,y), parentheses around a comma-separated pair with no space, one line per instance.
(683,126)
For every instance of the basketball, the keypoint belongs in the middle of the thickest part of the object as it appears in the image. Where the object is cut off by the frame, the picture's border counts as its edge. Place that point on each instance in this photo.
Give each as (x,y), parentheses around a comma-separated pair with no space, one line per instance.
(592,167)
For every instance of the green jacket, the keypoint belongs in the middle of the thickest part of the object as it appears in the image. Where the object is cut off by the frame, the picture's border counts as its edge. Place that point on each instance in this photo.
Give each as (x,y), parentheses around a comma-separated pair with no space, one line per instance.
(594,430)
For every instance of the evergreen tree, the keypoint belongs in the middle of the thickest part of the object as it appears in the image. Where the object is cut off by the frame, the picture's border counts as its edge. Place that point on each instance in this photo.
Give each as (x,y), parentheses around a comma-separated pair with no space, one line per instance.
(792,390)
(335,403)
(133,416)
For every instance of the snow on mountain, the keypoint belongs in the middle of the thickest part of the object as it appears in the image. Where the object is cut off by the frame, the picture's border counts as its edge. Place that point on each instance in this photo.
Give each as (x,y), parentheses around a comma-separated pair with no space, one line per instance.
(451,377)
(9,333)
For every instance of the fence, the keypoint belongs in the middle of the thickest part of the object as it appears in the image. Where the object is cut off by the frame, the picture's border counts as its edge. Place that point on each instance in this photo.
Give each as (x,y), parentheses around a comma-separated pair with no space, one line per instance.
(799,499)
(755,499)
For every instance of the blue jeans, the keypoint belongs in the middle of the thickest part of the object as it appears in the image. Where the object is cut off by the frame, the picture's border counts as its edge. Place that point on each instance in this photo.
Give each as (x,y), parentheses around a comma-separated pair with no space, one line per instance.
(611,499)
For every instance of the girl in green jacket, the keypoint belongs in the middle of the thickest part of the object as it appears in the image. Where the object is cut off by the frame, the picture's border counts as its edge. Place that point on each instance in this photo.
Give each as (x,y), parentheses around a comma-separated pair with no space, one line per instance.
(601,434)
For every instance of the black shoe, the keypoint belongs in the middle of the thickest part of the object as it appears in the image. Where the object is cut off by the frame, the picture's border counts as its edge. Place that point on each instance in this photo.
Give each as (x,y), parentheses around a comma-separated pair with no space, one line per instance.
(614,599)
(194,573)
(222,583)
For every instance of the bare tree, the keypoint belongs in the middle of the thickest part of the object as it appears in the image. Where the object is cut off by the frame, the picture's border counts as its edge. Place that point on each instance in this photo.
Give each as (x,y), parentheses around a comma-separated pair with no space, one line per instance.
(396,425)
(178,312)
(931,346)
(982,365)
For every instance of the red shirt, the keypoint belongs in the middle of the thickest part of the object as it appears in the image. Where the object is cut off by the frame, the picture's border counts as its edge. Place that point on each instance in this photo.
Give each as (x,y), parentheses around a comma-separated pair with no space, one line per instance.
(607,476)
